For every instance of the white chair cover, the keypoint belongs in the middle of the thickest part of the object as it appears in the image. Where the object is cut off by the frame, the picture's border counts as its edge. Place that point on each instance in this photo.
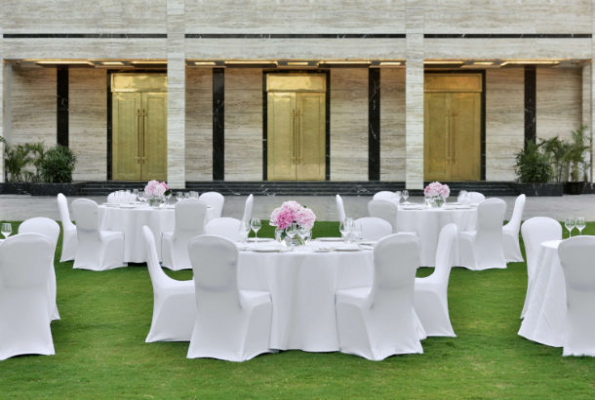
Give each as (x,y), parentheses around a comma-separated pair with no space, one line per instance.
(50,229)
(97,250)
(231,324)
(380,321)
(340,208)
(248,209)
(474,198)
(483,249)
(384,195)
(431,292)
(69,239)
(535,231)
(577,257)
(512,247)
(214,200)
(24,299)
(174,302)
(190,222)
(373,228)
(384,209)
(226,227)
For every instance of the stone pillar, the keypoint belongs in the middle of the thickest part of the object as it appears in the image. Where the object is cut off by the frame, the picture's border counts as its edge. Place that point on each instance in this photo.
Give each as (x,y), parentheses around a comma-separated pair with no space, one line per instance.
(3,99)
(414,95)
(176,95)
(587,120)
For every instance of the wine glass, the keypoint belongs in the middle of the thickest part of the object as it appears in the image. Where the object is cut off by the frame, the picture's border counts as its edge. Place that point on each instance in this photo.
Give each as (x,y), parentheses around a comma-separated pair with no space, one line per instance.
(304,233)
(6,229)
(135,194)
(179,196)
(357,232)
(580,224)
(291,232)
(255,224)
(405,195)
(569,224)
(398,197)
(462,197)
(244,229)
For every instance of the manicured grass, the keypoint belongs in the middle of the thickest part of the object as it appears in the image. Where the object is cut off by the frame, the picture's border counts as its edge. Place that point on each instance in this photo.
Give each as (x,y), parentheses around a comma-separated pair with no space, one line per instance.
(101,354)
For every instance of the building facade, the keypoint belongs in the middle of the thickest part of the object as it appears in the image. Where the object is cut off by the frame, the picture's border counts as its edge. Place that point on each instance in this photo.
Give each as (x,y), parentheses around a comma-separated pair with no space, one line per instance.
(306,90)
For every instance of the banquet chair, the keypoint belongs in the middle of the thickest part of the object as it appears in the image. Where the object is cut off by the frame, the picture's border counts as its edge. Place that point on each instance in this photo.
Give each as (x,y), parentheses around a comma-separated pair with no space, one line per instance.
(120,196)
(510,232)
(24,297)
(174,303)
(215,201)
(483,248)
(248,209)
(475,198)
(97,250)
(190,222)
(576,257)
(373,228)
(230,324)
(340,208)
(226,227)
(535,231)
(69,239)
(379,321)
(50,229)
(386,210)
(431,292)
(384,195)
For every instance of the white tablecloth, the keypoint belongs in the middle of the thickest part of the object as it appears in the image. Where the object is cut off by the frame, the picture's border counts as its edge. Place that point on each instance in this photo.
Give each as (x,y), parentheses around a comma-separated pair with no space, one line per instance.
(302,286)
(546,308)
(428,222)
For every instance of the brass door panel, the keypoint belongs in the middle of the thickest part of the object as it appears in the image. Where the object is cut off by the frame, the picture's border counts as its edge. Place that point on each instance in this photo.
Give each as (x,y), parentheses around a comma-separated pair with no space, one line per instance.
(452,128)
(311,137)
(139,126)
(280,127)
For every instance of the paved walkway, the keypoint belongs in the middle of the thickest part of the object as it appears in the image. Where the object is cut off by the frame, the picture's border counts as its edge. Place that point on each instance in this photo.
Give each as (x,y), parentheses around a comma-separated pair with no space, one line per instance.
(20,207)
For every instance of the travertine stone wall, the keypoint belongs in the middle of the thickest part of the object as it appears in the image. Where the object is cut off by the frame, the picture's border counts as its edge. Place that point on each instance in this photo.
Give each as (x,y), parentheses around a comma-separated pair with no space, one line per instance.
(559,102)
(87,122)
(505,121)
(33,104)
(243,124)
(2,90)
(199,124)
(587,113)
(392,124)
(349,124)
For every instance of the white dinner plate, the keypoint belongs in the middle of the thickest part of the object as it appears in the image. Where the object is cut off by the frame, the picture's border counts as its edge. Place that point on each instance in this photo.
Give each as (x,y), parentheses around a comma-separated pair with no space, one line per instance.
(128,206)
(329,239)
(267,249)
(347,248)
(367,243)
(322,250)
(260,240)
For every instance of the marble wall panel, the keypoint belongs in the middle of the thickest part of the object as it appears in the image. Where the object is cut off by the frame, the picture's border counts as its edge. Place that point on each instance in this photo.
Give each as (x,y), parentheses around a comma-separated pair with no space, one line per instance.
(243,124)
(349,125)
(199,124)
(297,16)
(505,121)
(4,71)
(69,16)
(392,124)
(559,102)
(87,123)
(33,104)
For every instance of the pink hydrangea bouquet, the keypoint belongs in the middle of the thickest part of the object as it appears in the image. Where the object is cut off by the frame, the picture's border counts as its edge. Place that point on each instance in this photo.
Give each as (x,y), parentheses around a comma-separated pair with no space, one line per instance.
(157,189)
(290,212)
(437,189)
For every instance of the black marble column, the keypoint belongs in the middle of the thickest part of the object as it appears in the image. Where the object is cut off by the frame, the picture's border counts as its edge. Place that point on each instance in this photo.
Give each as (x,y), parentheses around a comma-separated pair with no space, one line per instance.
(374,124)
(530,104)
(218,124)
(62,103)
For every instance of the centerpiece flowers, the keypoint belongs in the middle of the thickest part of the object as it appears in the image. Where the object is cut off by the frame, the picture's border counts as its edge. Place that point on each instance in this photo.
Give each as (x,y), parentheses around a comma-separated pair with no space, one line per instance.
(436,194)
(292,218)
(157,193)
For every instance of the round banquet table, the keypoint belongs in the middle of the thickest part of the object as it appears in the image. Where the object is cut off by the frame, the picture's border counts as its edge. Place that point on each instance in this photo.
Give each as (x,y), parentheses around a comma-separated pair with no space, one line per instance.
(545,316)
(428,222)
(302,283)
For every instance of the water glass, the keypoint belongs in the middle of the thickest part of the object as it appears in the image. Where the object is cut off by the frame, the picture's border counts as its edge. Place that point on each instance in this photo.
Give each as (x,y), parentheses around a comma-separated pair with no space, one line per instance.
(344,229)
(305,234)
(462,197)
(255,224)
(580,224)
(405,195)
(244,229)
(398,197)
(6,229)
(570,223)
(291,231)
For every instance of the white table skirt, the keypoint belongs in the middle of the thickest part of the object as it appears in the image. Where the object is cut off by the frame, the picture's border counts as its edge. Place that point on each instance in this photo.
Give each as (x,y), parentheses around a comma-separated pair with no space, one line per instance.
(302,286)
(428,223)
(545,317)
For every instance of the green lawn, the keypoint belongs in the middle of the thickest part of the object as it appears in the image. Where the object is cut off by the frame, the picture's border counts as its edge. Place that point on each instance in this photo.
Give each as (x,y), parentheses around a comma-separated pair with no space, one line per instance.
(101,354)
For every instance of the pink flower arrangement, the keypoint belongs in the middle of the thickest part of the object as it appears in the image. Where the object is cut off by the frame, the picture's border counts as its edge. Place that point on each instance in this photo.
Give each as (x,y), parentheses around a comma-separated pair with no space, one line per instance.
(290,212)
(436,189)
(156,188)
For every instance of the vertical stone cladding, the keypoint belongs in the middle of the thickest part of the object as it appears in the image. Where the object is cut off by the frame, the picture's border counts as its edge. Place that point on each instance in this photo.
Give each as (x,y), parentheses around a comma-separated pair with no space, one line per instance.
(176,93)
(392,124)
(587,114)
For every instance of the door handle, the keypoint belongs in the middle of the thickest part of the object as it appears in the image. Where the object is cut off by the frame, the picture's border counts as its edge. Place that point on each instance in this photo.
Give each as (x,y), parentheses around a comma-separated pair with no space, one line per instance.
(293,135)
(144,136)
(139,137)
(299,136)
(451,138)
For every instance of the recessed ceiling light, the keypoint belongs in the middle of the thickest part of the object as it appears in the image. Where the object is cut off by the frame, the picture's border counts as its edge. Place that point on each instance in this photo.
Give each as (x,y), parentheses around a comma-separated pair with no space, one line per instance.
(112,63)
(531,62)
(390,63)
(64,62)
(443,62)
(205,63)
(298,63)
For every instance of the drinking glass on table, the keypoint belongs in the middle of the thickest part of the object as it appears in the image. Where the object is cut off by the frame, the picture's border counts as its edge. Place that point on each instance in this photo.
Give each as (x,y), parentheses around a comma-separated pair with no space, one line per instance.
(304,233)
(569,224)
(135,194)
(462,197)
(357,232)
(344,229)
(244,229)
(6,229)
(255,224)
(405,195)
(291,231)
(580,224)
(398,197)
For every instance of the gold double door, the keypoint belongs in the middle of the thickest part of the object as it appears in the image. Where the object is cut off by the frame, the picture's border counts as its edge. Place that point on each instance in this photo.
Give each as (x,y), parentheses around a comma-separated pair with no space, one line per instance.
(296,115)
(139,126)
(452,127)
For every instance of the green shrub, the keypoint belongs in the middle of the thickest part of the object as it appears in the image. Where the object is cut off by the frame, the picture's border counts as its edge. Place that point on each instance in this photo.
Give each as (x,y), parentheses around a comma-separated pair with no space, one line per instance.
(57,165)
(532,165)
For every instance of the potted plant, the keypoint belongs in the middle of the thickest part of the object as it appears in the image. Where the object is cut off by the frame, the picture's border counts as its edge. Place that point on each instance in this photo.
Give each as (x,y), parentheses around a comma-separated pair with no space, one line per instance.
(534,172)
(55,167)
(576,167)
